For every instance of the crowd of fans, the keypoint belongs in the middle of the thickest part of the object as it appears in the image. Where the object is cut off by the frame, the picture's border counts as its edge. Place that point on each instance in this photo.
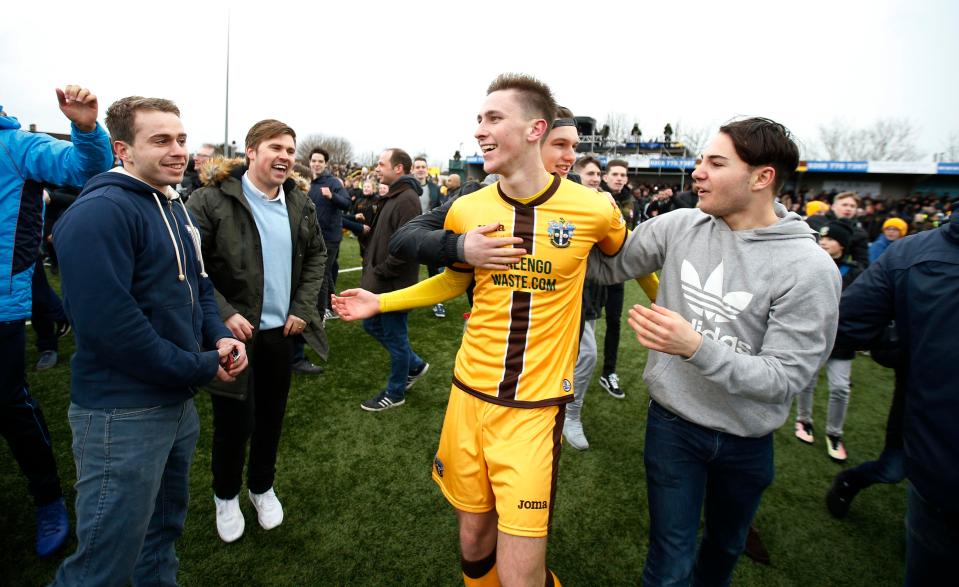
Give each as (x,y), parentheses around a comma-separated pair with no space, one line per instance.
(338,200)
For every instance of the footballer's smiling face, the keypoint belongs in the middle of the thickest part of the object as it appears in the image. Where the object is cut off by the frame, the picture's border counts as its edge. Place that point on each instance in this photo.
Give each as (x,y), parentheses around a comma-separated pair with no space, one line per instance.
(559,150)
(506,133)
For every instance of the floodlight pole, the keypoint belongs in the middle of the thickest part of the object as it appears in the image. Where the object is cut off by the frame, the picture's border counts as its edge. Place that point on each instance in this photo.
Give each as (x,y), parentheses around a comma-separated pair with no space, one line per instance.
(226,116)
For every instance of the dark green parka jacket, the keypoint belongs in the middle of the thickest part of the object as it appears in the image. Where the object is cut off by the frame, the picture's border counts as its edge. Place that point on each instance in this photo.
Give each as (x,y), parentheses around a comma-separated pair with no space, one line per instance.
(233,255)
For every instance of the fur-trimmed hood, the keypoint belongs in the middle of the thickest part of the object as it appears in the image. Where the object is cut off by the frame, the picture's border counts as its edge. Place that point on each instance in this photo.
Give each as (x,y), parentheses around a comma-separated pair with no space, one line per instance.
(216,170)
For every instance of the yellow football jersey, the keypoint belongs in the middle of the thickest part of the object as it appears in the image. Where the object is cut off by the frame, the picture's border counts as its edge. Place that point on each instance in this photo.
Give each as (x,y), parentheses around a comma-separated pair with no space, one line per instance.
(522,338)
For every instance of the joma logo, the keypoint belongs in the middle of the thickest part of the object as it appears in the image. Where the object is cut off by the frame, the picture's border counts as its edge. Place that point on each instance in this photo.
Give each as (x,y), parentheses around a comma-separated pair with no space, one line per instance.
(525,504)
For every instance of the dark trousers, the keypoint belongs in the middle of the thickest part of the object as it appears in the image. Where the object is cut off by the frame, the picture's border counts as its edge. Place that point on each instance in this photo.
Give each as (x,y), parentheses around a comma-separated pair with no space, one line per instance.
(329,276)
(688,467)
(257,419)
(614,315)
(47,310)
(21,421)
(932,541)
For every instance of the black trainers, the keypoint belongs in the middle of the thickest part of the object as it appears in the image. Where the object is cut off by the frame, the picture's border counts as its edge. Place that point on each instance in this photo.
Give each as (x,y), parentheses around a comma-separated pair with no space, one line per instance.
(47,360)
(381,402)
(611,384)
(306,367)
(412,377)
(839,497)
(439,310)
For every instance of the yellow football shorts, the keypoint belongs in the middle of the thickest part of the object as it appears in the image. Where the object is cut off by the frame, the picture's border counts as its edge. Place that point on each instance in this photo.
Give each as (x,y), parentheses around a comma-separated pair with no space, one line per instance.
(492,456)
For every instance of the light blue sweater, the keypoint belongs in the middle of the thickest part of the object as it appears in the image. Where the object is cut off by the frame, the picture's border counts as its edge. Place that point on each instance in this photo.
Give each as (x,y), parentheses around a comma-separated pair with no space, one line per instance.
(273,224)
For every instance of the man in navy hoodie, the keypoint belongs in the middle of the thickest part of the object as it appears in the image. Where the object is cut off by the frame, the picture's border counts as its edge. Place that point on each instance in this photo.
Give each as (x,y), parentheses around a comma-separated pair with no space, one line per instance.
(916,283)
(148,335)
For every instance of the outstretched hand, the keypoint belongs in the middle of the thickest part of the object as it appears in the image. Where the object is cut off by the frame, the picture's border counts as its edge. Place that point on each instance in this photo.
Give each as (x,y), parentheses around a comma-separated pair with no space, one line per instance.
(491,252)
(356,304)
(80,106)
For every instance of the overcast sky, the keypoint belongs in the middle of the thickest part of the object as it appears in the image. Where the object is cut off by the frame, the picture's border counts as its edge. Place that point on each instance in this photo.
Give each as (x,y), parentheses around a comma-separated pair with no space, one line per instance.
(414,75)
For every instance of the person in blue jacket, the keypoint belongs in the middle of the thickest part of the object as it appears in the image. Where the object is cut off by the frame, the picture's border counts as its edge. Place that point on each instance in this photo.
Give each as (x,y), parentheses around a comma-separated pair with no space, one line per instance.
(27,160)
(916,283)
(148,335)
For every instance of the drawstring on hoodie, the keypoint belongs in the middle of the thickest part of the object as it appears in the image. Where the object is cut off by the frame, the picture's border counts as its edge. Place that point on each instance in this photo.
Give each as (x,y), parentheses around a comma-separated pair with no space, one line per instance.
(194,236)
(179,263)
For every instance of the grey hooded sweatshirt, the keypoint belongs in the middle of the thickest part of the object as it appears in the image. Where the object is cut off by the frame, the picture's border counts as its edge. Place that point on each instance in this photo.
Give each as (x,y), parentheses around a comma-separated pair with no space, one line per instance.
(766,301)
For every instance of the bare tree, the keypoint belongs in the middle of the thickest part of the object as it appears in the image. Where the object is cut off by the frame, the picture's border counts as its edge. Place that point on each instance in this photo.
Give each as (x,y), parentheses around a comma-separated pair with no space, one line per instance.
(833,139)
(694,138)
(340,149)
(887,139)
(618,127)
(950,150)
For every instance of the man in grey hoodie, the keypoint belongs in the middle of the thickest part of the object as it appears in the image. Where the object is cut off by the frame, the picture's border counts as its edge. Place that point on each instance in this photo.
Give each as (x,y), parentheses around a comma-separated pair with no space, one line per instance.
(746,314)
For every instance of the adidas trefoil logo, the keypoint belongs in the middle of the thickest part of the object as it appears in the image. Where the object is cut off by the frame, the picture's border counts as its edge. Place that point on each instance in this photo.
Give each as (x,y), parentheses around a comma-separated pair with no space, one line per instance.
(707,299)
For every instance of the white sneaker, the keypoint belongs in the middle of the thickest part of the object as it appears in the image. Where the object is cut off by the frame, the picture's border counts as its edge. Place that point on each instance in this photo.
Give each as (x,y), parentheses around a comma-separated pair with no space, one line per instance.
(229,518)
(573,433)
(268,509)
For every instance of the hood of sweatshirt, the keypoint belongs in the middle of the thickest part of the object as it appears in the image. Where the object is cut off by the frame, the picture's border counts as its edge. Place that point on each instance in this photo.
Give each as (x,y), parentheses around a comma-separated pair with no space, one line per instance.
(123,179)
(404,182)
(789,226)
(8,122)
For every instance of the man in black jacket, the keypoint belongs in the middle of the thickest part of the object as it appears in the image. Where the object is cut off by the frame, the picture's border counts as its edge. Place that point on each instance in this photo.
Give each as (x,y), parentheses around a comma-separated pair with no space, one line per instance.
(382,272)
(845,205)
(916,283)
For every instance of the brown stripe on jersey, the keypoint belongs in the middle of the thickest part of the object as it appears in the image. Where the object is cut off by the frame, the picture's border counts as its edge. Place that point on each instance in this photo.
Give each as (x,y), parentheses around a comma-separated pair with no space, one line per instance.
(524,223)
(557,447)
(516,344)
(543,403)
(550,191)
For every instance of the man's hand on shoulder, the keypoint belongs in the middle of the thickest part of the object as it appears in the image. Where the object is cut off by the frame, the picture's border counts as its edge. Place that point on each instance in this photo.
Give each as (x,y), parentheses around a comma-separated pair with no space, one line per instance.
(491,252)
(80,106)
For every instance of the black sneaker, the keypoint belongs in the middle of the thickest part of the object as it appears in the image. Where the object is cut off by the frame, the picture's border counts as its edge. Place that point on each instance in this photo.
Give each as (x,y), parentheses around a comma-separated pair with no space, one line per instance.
(439,310)
(839,497)
(47,360)
(306,367)
(381,402)
(611,384)
(412,377)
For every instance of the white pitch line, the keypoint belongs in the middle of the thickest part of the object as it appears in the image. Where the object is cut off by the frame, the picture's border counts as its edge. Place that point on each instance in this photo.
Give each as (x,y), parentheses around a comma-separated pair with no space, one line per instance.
(350,269)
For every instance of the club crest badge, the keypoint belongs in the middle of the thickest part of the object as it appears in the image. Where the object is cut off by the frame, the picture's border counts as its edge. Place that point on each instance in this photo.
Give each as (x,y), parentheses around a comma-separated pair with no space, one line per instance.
(560,233)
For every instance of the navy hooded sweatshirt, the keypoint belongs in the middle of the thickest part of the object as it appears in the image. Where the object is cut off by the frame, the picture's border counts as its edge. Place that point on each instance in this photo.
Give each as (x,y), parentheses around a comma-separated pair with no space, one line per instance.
(916,282)
(134,289)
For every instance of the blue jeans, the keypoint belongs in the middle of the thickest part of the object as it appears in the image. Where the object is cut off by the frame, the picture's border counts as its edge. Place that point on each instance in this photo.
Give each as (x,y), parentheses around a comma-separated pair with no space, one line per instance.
(688,466)
(932,541)
(133,467)
(391,331)
(890,468)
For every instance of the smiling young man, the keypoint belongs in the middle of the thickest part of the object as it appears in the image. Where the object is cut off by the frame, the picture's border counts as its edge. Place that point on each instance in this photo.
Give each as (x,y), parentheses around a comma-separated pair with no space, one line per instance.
(265,256)
(746,315)
(499,449)
(148,335)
